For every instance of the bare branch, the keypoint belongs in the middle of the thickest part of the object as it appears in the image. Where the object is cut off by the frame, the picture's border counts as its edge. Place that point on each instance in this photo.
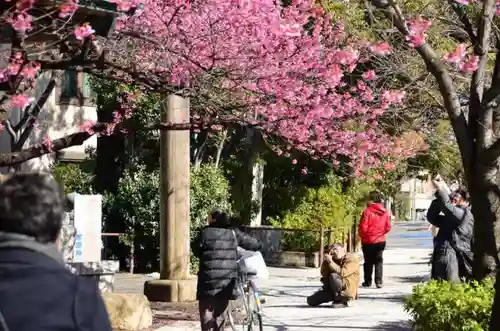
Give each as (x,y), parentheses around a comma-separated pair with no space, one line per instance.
(10,130)
(445,82)
(462,15)
(481,48)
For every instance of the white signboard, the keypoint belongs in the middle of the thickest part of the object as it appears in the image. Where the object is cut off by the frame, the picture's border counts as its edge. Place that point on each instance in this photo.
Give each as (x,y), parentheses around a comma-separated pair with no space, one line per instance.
(88,223)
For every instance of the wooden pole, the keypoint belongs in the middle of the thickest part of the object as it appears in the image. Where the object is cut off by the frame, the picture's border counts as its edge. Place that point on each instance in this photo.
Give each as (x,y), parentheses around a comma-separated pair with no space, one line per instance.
(321,244)
(174,191)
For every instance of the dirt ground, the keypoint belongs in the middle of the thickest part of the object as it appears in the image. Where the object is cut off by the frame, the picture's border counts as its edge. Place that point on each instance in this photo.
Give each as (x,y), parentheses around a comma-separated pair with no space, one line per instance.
(164,313)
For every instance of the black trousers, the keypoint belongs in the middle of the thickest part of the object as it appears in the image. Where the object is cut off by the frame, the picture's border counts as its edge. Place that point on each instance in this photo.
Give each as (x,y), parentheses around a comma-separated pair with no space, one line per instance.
(332,286)
(374,257)
(213,312)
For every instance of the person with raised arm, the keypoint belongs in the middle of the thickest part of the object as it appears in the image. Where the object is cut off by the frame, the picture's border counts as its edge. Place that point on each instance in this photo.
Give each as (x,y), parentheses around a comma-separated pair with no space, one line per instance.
(452,255)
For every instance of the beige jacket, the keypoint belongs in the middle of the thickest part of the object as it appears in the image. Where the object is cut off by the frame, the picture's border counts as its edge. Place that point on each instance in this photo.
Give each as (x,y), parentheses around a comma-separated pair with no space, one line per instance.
(348,269)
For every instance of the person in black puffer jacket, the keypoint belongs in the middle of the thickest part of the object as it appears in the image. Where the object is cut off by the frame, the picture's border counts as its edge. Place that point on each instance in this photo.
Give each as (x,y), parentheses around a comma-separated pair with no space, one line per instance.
(216,247)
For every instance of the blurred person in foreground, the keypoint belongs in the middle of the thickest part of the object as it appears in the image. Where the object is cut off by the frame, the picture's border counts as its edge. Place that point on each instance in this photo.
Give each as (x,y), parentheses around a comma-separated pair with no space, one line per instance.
(216,246)
(37,291)
(452,255)
(375,223)
(340,278)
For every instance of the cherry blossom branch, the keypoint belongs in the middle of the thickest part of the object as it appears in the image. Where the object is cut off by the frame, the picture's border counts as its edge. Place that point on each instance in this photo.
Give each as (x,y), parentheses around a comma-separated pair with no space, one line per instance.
(445,82)
(33,113)
(78,138)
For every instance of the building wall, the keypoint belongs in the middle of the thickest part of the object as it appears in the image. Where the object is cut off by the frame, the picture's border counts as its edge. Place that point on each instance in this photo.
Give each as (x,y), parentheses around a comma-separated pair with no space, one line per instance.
(418,193)
(56,120)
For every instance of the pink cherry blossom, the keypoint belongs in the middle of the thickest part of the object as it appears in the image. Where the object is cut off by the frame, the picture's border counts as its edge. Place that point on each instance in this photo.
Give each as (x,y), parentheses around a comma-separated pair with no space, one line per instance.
(47,142)
(67,8)
(83,31)
(457,55)
(462,2)
(418,28)
(88,127)
(369,75)
(466,63)
(470,64)
(31,70)
(20,101)
(22,21)
(389,165)
(290,78)
(381,49)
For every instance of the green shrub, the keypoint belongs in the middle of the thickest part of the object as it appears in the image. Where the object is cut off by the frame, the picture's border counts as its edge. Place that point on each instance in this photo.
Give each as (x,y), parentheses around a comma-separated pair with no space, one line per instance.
(73,178)
(137,203)
(446,306)
(325,207)
(209,190)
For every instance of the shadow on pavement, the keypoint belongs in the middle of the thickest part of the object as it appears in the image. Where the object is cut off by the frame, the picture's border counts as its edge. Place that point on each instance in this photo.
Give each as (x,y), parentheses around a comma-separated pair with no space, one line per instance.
(399,298)
(394,326)
(413,279)
(386,326)
(405,263)
(290,291)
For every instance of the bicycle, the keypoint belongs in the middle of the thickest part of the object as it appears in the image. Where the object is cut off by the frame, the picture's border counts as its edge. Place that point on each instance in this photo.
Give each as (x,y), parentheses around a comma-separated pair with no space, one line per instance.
(252,304)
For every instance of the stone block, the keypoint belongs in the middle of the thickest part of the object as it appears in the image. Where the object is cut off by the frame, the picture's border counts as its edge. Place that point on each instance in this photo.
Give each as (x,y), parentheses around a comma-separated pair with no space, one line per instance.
(102,271)
(128,312)
(167,290)
(293,259)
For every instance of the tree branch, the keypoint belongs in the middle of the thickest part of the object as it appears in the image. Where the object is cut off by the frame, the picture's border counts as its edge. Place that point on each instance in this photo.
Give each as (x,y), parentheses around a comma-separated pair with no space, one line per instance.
(33,114)
(481,115)
(445,82)
(78,138)
(462,15)
(494,91)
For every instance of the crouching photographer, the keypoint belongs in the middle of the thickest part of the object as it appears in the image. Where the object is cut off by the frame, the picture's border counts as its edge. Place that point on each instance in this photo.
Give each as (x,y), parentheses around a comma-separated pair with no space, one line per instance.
(340,277)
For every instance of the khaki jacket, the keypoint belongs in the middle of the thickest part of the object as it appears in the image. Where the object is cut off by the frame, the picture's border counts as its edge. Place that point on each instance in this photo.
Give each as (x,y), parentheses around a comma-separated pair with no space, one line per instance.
(348,269)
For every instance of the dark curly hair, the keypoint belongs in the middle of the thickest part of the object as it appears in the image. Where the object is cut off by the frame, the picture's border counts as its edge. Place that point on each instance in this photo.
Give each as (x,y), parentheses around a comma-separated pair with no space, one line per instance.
(32,204)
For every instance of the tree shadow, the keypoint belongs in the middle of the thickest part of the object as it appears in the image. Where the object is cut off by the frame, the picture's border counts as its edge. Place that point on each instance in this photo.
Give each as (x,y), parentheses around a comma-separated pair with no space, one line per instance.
(288,291)
(395,326)
(400,325)
(398,298)
(413,279)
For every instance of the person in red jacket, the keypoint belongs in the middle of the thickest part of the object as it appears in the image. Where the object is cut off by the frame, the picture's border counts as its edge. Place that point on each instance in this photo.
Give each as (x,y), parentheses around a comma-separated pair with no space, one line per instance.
(374,225)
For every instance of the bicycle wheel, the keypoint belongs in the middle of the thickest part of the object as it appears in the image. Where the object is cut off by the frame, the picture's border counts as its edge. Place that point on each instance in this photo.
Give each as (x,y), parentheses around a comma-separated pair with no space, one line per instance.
(254,312)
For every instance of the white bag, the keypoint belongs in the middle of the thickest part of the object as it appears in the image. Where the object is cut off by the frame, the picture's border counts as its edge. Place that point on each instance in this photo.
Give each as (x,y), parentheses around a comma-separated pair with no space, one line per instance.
(253,261)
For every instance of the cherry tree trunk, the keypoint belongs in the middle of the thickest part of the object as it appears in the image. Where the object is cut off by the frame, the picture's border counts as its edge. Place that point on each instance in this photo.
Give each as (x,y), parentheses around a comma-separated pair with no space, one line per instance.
(485,201)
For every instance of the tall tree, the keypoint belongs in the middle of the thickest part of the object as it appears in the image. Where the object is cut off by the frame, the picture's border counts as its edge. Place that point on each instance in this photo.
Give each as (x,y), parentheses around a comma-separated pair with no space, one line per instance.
(474,116)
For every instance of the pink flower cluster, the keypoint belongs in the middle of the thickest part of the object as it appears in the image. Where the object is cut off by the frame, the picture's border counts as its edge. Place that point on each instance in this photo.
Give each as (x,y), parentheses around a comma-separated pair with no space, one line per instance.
(292,78)
(417,29)
(83,31)
(466,63)
(67,8)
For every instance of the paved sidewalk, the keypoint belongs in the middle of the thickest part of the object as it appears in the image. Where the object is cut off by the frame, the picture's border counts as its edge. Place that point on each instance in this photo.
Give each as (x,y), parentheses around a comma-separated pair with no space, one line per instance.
(406,264)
